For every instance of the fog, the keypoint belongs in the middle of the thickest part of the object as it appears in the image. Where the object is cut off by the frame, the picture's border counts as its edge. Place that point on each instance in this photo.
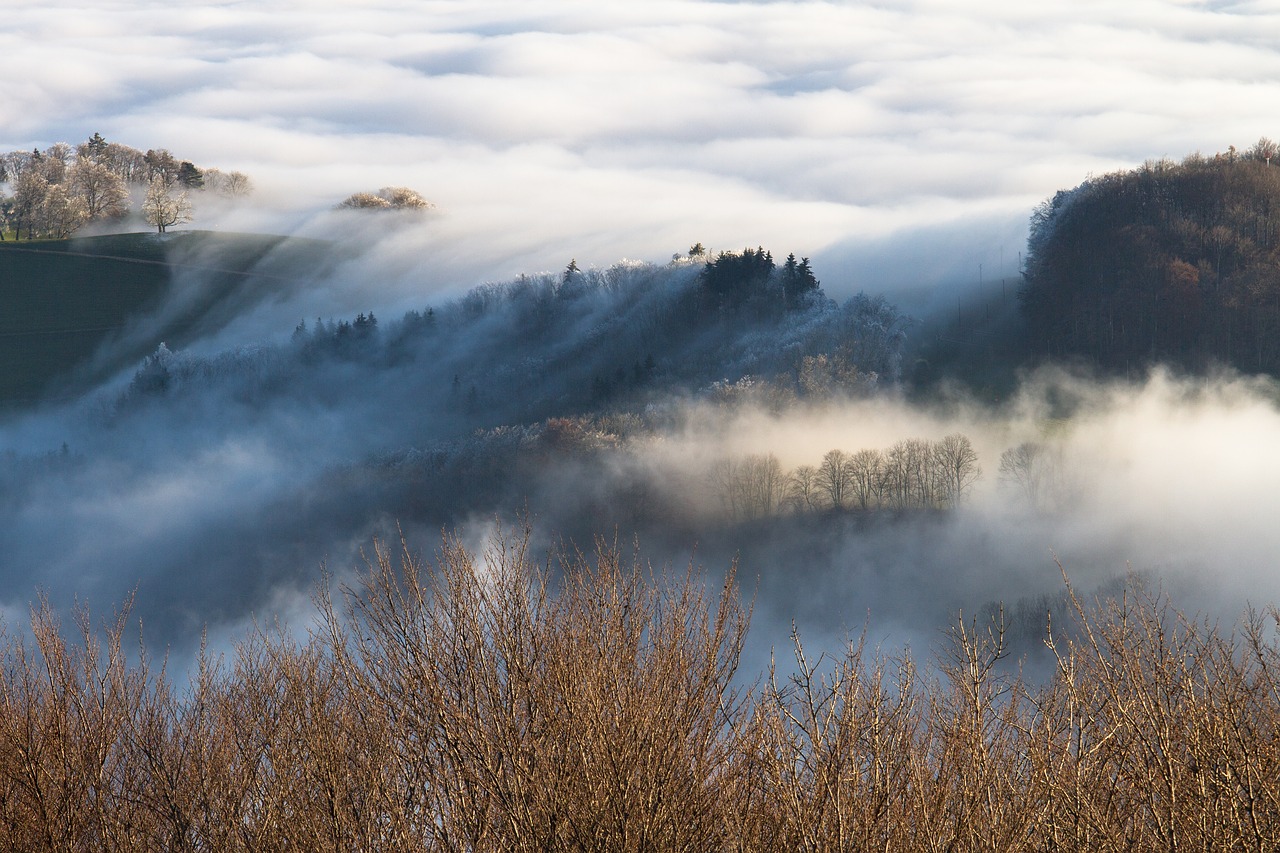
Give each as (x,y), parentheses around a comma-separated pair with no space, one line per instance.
(900,148)
(622,130)
(221,482)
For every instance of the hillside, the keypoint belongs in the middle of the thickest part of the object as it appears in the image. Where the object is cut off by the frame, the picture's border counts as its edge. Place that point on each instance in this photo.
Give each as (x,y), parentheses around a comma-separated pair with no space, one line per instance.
(71,310)
(727,406)
(1175,263)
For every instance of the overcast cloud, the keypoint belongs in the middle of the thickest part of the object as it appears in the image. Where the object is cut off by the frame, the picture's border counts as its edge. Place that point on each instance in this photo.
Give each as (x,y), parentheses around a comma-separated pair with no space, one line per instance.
(602,130)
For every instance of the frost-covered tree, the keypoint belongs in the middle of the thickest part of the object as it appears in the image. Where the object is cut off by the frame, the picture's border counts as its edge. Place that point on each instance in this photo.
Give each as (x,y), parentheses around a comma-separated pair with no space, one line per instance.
(387,198)
(101,191)
(59,212)
(162,208)
(28,197)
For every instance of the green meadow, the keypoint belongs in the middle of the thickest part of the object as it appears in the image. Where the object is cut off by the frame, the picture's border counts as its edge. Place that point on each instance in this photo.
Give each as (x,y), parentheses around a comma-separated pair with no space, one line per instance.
(73,312)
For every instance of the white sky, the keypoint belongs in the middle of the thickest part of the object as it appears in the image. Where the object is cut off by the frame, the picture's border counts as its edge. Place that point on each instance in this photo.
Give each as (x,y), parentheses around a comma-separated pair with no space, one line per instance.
(894,142)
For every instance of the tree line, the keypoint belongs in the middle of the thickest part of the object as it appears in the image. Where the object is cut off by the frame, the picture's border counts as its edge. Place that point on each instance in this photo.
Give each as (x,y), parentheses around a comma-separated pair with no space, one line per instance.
(387,198)
(912,474)
(498,702)
(56,191)
(1170,262)
(750,280)
(590,340)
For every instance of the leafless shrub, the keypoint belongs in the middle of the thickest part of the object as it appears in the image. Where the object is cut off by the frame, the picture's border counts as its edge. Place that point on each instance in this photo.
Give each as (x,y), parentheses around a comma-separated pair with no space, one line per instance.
(595,718)
(491,702)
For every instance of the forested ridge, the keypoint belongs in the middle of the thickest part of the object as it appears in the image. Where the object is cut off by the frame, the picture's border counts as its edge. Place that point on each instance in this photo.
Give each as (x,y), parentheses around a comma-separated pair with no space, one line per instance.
(577,343)
(1175,263)
(572,371)
(504,697)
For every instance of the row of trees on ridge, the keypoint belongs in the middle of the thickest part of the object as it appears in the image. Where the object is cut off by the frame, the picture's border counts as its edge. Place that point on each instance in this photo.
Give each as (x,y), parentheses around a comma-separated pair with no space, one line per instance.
(55,191)
(912,474)
(750,279)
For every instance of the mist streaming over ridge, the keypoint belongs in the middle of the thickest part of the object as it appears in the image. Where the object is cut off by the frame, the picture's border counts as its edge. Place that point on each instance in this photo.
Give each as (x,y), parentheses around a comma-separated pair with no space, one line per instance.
(217,481)
(241,470)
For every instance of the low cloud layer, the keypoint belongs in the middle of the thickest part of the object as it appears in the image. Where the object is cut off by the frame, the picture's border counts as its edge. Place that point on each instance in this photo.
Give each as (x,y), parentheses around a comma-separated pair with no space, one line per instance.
(617,129)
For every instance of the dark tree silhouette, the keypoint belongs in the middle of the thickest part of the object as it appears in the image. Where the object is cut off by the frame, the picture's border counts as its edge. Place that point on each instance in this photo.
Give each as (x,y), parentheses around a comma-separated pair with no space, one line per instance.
(734,280)
(1176,263)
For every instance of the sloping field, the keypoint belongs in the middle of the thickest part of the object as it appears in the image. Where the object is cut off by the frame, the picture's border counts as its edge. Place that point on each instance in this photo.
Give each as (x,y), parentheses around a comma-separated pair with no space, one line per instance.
(75,311)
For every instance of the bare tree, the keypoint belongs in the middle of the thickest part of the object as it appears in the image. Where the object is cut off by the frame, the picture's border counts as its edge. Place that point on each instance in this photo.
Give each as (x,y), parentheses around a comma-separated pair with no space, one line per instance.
(803,492)
(765,483)
(14,163)
(750,487)
(160,165)
(866,472)
(237,184)
(1264,149)
(387,198)
(231,184)
(521,719)
(128,163)
(834,477)
(162,208)
(957,467)
(899,474)
(1035,470)
(100,191)
(494,702)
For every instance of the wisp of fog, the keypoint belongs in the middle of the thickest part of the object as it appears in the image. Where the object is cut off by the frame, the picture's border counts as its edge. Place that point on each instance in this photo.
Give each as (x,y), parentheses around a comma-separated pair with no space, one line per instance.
(219,482)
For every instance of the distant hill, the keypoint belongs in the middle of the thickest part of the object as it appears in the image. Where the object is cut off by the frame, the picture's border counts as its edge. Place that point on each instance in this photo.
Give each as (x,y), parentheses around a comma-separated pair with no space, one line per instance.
(71,311)
(1176,263)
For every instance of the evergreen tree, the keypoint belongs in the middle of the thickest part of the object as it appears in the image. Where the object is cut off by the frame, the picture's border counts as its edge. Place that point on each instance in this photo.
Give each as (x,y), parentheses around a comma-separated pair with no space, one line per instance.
(95,148)
(189,176)
(732,280)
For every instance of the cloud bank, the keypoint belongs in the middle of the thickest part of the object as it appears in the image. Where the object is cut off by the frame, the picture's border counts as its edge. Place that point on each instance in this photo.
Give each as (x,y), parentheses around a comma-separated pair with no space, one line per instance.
(614,129)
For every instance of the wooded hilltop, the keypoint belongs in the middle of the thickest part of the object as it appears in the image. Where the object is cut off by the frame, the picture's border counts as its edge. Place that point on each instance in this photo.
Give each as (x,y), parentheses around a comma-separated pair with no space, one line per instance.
(1174,263)
(57,191)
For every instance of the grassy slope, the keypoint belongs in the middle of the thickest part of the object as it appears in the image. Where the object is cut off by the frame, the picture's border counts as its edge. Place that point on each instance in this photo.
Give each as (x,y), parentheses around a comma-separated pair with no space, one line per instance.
(62,302)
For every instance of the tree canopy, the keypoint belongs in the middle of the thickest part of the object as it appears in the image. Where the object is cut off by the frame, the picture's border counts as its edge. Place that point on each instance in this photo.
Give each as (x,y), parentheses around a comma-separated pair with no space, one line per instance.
(56,191)
(387,198)
(1169,262)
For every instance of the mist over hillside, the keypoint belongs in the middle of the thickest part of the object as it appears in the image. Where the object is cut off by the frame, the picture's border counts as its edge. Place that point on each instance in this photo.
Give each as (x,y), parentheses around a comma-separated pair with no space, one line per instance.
(214,482)
(634,401)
